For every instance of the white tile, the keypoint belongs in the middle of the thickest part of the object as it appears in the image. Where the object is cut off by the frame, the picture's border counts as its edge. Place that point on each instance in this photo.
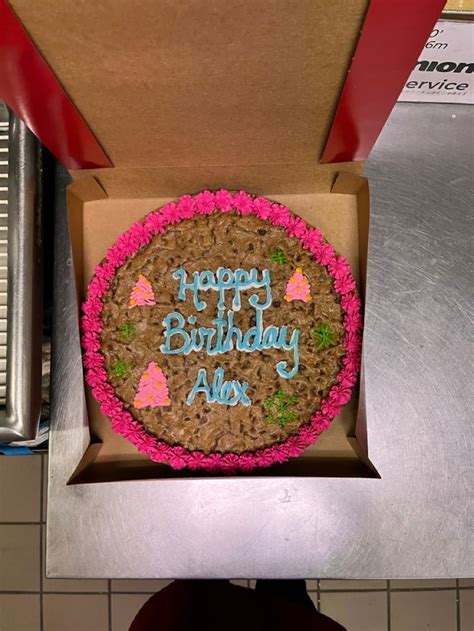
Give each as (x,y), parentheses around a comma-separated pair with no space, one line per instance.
(20,486)
(71,584)
(423,611)
(467,609)
(19,558)
(311,584)
(358,611)
(353,585)
(419,583)
(124,609)
(146,586)
(71,612)
(20,612)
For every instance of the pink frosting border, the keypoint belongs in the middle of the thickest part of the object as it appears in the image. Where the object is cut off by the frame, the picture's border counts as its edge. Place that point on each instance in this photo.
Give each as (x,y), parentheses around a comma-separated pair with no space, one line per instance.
(139,235)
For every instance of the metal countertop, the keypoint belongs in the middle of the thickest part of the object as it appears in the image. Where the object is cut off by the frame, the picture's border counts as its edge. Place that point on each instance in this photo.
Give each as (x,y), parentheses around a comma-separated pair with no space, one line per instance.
(416,521)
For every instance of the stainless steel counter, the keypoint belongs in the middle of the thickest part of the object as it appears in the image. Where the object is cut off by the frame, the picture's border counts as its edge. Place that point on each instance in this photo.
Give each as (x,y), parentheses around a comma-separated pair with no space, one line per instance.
(416,521)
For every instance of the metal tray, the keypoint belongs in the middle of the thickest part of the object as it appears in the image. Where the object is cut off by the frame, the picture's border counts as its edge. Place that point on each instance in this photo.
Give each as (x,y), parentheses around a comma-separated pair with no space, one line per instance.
(21,278)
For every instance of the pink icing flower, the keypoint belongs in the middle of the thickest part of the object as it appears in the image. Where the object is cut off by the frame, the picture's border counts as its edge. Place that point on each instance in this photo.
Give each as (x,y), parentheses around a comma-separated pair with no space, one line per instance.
(230,462)
(176,462)
(350,303)
(296,446)
(92,325)
(246,462)
(324,253)
(344,285)
(340,395)
(296,227)
(171,213)
(320,422)
(155,222)
(197,460)
(264,458)
(305,436)
(105,271)
(353,322)
(347,377)
(127,244)
(148,442)
(177,458)
(92,307)
(280,453)
(186,206)
(339,267)
(90,341)
(158,452)
(243,203)
(205,203)
(97,287)
(311,239)
(96,377)
(120,423)
(127,425)
(330,408)
(212,461)
(262,207)
(352,361)
(139,235)
(115,256)
(280,215)
(313,432)
(93,360)
(352,342)
(111,406)
(224,201)
(103,391)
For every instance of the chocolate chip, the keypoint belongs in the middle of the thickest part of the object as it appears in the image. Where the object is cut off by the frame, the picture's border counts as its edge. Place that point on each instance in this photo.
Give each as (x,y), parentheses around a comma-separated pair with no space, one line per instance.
(276,304)
(250,247)
(262,232)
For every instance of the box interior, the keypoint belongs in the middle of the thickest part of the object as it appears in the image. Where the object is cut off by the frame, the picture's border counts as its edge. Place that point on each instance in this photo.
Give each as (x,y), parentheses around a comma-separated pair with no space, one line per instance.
(96,220)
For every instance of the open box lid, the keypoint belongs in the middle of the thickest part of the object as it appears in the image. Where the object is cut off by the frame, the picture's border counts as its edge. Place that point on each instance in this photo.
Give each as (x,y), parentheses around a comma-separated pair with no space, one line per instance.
(208,82)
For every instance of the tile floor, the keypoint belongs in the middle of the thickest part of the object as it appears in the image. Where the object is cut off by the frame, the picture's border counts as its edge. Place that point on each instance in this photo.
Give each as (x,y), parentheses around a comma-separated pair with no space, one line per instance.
(31,602)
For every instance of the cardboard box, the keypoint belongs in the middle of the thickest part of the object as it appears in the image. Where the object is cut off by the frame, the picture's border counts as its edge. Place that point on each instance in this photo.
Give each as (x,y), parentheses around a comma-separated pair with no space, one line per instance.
(341,211)
(201,95)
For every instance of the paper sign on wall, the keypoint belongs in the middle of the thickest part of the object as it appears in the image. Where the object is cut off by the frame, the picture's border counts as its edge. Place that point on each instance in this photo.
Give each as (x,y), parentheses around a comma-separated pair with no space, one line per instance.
(444,72)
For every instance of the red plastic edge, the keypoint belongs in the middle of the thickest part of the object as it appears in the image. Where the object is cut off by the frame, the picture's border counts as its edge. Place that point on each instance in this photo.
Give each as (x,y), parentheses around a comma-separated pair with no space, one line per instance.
(29,87)
(393,34)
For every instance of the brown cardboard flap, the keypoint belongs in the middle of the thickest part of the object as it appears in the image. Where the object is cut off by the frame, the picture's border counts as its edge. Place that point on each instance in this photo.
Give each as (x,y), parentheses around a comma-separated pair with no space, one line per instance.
(201,82)
(261,179)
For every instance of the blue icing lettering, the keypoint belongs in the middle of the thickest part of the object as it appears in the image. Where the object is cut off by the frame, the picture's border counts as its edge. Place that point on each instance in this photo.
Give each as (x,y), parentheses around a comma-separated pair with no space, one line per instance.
(224,392)
(224,335)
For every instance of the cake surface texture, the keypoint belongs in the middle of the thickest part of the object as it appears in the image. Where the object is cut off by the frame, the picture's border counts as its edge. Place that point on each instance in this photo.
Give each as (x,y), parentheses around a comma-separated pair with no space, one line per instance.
(222,332)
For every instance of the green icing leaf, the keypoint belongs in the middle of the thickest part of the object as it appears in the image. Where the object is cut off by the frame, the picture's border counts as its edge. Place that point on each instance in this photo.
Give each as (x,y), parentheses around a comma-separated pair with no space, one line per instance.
(324,337)
(127,330)
(279,408)
(279,257)
(120,369)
